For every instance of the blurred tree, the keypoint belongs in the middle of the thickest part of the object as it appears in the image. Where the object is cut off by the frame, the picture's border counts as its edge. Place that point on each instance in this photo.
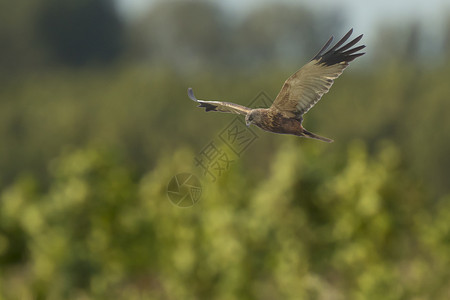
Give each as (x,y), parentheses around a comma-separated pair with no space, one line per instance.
(80,32)
(189,34)
(276,31)
(181,34)
(446,41)
(20,47)
(410,44)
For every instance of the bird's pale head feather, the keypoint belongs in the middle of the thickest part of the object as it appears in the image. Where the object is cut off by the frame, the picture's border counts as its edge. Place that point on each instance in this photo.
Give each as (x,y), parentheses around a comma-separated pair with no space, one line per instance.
(254,116)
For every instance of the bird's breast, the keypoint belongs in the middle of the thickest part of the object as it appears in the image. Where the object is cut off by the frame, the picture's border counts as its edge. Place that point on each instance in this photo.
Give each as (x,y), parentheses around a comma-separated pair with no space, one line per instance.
(280,124)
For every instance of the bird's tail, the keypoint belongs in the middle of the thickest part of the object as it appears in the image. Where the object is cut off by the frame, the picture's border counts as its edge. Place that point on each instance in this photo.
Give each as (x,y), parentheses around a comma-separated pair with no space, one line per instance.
(315,136)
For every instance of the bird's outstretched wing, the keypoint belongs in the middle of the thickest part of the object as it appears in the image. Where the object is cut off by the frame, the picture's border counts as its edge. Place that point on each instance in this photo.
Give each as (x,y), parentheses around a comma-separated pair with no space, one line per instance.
(227,107)
(306,86)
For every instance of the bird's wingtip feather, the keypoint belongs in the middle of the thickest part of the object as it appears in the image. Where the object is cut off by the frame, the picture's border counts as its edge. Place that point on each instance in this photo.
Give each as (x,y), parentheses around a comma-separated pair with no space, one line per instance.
(191,94)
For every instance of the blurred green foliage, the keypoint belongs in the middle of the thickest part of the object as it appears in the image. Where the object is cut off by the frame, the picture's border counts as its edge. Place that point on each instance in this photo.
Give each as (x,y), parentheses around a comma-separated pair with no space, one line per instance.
(90,143)
(309,228)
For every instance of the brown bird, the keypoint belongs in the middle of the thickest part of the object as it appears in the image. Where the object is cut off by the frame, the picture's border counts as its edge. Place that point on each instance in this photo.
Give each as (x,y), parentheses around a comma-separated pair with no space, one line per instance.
(299,93)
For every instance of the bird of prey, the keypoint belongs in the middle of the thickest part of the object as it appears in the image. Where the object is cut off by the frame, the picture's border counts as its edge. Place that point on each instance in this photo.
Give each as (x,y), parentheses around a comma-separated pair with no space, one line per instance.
(300,92)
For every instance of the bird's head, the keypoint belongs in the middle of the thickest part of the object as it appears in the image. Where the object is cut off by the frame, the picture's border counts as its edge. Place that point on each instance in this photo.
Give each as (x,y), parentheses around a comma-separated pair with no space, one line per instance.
(254,116)
(249,119)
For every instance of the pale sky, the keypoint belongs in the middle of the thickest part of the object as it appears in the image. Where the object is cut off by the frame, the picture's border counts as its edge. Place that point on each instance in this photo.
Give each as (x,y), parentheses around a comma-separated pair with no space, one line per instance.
(364,16)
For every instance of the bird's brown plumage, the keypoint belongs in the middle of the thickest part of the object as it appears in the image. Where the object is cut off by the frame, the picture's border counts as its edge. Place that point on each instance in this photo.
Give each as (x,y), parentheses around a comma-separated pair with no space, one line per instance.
(300,92)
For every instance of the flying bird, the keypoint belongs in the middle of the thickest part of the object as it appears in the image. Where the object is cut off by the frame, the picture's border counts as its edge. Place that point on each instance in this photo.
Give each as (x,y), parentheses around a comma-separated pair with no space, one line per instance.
(300,92)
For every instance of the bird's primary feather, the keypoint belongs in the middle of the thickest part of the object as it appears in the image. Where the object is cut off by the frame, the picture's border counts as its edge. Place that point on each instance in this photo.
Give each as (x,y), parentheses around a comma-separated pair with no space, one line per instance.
(303,89)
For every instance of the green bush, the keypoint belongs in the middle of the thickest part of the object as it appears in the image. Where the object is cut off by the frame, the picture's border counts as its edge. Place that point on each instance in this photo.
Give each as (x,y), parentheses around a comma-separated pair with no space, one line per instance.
(308,228)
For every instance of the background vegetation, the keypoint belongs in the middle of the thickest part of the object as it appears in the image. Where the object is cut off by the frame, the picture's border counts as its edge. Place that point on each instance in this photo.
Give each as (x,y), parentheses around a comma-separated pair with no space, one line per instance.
(94,122)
